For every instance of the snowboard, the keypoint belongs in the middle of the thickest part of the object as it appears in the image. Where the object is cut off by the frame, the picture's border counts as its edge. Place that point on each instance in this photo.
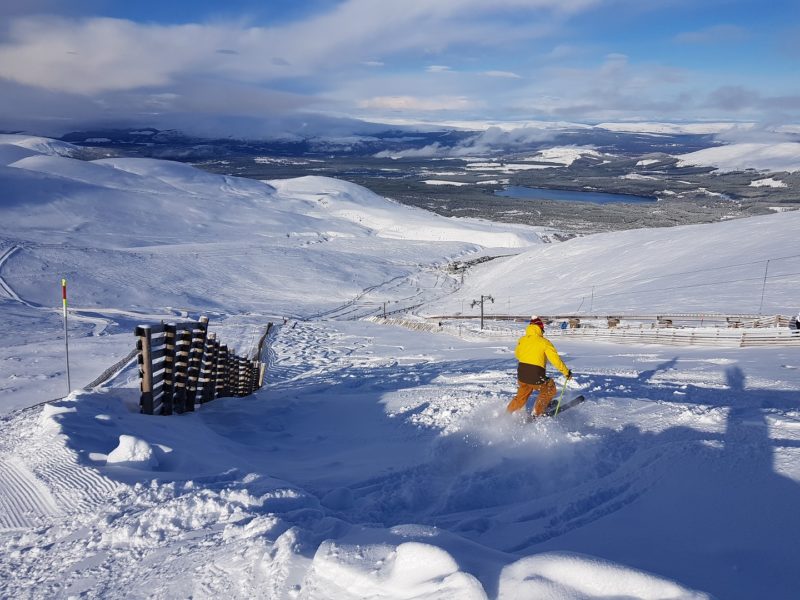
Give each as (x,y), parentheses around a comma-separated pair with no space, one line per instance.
(550,411)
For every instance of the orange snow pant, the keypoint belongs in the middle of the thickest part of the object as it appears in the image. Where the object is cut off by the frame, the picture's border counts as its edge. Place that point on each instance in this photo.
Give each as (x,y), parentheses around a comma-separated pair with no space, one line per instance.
(547,391)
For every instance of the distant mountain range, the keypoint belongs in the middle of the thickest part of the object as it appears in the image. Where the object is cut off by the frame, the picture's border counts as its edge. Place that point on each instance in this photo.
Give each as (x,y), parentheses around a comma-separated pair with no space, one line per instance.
(174,144)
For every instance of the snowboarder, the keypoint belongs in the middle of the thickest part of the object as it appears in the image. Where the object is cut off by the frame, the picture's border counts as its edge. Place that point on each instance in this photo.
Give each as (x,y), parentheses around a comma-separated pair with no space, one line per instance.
(794,322)
(533,351)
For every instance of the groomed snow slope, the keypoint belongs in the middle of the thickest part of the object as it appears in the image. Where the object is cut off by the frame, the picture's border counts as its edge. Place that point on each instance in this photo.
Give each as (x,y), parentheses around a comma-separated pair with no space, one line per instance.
(376,462)
(696,268)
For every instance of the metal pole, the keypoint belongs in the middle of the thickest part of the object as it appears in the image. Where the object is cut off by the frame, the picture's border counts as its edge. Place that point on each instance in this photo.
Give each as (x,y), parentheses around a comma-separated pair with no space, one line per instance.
(564,389)
(66,336)
(481,313)
(591,303)
(763,287)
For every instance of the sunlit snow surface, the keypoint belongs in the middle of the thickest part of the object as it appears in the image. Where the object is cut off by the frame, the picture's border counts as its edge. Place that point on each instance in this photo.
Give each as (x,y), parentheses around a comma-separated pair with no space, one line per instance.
(737,157)
(376,462)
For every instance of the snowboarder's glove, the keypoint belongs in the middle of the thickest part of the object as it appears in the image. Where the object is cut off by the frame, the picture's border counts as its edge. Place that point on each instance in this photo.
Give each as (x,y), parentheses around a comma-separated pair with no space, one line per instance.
(569,374)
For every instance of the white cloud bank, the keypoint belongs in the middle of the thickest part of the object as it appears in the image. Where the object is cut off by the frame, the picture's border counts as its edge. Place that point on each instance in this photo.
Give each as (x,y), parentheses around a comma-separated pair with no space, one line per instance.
(377,57)
(93,55)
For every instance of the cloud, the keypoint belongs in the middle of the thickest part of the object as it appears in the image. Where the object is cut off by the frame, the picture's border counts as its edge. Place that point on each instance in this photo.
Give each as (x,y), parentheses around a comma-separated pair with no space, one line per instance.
(562,52)
(116,68)
(435,150)
(490,141)
(200,107)
(115,54)
(503,74)
(769,110)
(758,133)
(613,89)
(717,34)
(733,98)
(413,103)
(104,64)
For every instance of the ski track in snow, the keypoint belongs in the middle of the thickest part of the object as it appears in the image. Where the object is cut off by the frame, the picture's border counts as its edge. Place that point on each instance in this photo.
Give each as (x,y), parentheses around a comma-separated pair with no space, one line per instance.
(24,501)
(45,477)
(4,287)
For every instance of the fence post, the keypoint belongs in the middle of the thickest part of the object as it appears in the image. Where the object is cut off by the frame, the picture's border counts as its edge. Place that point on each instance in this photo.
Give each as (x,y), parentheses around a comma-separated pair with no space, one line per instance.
(219,369)
(222,371)
(145,370)
(237,361)
(251,372)
(207,372)
(254,368)
(217,389)
(242,376)
(182,344)
(237,375)
(169,369)
(195,360)
(233,373)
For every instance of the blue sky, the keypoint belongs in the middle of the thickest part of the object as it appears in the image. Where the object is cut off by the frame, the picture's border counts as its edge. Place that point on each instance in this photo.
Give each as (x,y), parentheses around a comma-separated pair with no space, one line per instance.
(272,65)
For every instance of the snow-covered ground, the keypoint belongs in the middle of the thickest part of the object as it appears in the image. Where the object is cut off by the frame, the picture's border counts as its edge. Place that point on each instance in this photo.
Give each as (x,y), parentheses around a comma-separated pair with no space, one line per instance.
(565,155)
(768,182)
(379,462)
(735,157)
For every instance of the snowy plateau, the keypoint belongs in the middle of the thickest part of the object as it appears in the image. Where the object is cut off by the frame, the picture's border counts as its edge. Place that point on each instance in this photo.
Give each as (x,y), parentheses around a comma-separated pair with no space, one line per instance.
(377,461)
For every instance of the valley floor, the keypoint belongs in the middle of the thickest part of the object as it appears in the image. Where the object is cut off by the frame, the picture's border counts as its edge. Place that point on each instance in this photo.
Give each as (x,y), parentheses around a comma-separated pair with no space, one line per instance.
(380,463)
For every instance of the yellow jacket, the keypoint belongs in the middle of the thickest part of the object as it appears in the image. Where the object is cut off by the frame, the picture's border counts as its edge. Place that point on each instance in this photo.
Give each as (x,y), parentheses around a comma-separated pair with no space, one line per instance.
(535,349)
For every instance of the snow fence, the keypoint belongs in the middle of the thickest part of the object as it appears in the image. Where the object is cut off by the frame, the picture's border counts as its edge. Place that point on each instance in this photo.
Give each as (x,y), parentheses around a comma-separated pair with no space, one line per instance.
(181,364)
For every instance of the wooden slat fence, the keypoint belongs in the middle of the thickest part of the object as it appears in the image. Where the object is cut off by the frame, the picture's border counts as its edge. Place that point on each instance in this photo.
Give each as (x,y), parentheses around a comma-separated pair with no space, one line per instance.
(182,364)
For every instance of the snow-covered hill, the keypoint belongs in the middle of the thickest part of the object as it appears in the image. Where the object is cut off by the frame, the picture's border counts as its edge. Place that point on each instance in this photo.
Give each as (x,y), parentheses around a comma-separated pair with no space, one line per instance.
(718,267)
(738,157)
(378,462)
(38,145)
(168,226)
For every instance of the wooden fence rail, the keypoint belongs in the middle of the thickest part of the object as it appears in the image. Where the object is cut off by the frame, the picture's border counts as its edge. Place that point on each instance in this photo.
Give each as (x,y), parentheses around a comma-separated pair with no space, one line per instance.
(182,364)
(737,320)
(671,336)
(687,337)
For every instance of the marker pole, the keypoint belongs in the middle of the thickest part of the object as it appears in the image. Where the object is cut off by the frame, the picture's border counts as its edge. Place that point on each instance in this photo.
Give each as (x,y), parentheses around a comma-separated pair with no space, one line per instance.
(66,337)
